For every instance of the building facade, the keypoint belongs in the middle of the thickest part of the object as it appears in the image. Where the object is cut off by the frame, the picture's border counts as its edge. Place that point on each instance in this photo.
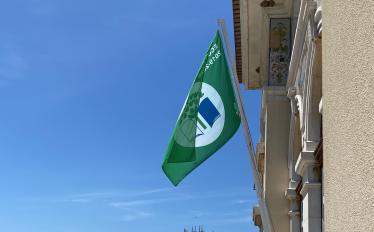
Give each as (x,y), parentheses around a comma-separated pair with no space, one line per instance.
(315,157)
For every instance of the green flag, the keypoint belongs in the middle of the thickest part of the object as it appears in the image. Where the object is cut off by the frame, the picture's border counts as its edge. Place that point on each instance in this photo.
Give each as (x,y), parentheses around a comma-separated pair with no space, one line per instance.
(209,117)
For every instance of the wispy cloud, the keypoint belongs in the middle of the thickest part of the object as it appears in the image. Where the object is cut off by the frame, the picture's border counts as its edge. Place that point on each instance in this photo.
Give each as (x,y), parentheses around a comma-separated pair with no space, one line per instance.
(135,216)
(245,201)
(154,191)
(100,196)
(80,200)
(127,204)
(91,197)
(137,205)
(95,194)
(144,202)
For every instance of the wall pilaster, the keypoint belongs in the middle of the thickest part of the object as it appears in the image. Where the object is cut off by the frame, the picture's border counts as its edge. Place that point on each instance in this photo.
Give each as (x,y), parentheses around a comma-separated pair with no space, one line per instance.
(309,170)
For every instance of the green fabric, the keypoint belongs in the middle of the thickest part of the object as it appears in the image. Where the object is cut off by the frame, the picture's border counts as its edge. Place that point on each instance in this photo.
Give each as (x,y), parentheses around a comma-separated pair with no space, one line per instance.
(209,117)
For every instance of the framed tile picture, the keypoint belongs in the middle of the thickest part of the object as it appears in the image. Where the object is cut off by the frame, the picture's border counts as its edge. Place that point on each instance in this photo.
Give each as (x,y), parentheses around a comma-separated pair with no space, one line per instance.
(279,51)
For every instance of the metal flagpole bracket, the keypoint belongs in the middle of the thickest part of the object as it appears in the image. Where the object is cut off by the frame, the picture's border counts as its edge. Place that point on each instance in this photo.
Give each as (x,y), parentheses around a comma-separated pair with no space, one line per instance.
(234,80)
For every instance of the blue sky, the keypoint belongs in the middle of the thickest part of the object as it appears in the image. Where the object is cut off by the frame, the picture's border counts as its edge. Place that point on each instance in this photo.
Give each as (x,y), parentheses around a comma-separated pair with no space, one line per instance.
(89,95)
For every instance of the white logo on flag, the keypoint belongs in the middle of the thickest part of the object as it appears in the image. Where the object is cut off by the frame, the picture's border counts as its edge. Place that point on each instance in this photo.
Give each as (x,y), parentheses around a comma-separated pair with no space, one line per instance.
(211,116)
(208,125)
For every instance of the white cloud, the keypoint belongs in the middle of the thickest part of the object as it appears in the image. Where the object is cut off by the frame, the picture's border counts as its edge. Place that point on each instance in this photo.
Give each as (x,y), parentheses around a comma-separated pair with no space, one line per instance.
(135,216)
(126,204)
(101,196)
(90,197)
(132,203)
(153,191)
(80,200)
(246,201)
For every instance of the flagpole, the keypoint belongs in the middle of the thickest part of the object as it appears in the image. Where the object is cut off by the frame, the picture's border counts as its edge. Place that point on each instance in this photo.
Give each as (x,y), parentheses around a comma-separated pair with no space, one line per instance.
(234,79)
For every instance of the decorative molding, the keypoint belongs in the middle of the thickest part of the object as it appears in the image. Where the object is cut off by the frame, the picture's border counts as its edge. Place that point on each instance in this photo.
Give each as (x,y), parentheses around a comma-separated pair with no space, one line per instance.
(291,139)
(301,75)
(291,95)
(290,193)
(293,183)
(311,91)
(305,159)
(309,145)
(307,9)
(318,19)
(299,107)
(308,186)
(294,211)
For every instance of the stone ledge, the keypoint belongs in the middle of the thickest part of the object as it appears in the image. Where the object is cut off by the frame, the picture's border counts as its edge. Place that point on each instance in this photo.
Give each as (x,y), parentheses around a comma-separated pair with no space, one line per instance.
(309,185)
(290,193)
(305,159)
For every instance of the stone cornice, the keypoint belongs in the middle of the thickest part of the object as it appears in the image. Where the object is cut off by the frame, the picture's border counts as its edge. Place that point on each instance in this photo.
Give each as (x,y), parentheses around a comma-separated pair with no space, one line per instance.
(305,159)
(307,186)
(290,193)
